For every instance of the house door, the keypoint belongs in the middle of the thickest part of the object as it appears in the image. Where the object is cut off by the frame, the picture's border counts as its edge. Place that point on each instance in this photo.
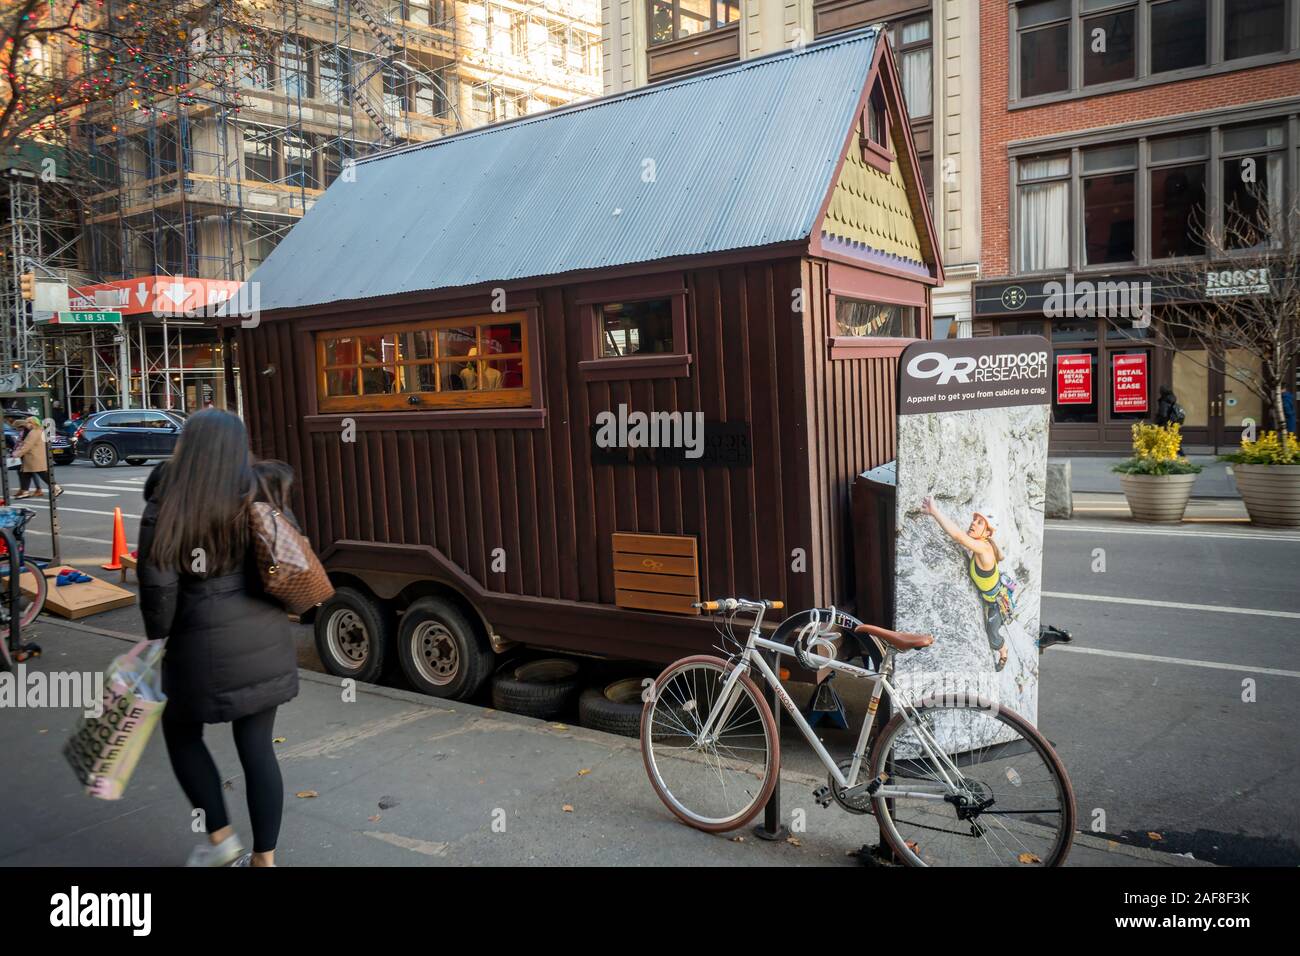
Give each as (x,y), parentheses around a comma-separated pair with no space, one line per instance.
(1215,397)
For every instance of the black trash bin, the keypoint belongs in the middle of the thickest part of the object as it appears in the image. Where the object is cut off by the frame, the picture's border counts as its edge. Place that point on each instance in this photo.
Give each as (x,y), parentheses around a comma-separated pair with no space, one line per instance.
(872,502)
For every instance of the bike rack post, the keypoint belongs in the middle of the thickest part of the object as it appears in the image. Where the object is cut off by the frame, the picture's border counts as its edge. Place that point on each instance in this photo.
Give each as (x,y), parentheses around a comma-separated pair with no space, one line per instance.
(15,590)
(771,828)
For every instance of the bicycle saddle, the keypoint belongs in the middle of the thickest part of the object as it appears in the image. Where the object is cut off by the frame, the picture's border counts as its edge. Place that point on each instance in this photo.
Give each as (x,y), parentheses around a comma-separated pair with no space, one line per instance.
(898,640)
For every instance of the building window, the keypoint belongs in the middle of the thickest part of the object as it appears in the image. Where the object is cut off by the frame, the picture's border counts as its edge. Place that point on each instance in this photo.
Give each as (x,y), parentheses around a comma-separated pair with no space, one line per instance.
(1062,47)
(859,318)
(1252,186)
(259,154)
(478,362)
(674,19)
(1109,43)
(878,119)
(1043,33)
(911,39)
(334,68)
(1044,213)
(1109,194)
(1253,27)
(299,160)
(1177,195)
(292,67)
(1183,29)
(635,328)
(1074,393)
(1162,182)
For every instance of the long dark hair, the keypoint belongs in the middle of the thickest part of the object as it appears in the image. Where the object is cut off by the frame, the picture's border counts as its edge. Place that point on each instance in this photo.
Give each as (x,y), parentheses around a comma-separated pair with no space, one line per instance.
(204,496)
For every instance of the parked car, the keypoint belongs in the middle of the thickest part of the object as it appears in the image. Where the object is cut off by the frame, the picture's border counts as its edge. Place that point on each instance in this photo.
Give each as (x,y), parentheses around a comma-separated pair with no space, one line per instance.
(131,435)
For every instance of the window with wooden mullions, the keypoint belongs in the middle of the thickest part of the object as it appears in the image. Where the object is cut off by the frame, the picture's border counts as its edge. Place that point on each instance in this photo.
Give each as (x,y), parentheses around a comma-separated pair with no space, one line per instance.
(675,19)
(477,362)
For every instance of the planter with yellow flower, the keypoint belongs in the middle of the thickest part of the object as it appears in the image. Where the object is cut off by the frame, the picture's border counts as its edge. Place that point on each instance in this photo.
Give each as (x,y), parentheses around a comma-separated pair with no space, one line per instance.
(1267,472)
(1157,480)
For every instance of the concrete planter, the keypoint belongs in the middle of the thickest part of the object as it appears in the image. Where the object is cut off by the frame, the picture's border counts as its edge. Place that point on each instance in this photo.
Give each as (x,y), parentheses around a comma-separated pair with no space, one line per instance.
(1271,493)
(1157,497)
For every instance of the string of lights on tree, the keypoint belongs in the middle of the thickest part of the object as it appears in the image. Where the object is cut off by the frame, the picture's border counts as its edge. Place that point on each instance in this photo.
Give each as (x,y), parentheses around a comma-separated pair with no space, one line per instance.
(158,60)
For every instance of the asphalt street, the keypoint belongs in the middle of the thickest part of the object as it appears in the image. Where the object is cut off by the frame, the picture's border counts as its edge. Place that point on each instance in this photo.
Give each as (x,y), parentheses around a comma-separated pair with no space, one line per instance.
(1174,710)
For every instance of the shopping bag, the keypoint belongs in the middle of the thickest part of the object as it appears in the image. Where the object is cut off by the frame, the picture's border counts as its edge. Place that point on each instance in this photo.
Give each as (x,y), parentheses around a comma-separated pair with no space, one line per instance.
(104,750)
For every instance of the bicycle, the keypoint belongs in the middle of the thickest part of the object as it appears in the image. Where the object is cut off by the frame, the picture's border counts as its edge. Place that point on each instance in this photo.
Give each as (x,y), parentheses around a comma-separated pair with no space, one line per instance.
(993,791)
(17,610)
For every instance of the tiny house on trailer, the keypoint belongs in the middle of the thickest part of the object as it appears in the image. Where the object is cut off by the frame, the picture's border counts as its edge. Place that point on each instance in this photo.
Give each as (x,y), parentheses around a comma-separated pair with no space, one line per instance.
(456,343)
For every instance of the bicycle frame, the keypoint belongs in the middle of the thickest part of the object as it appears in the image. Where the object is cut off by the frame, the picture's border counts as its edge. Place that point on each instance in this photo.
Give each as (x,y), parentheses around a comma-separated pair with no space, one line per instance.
(752,659)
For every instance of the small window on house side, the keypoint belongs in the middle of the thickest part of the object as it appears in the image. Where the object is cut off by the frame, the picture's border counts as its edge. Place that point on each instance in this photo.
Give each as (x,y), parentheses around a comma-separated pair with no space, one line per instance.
(636,328)
(859,318)
(878,119)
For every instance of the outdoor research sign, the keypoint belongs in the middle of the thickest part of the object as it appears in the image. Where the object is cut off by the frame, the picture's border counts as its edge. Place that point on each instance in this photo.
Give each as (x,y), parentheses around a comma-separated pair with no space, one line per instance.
(973,420)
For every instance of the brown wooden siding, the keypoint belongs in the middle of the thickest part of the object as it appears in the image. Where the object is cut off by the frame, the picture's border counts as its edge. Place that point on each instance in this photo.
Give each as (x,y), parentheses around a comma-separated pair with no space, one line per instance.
(537,493)
(854,414)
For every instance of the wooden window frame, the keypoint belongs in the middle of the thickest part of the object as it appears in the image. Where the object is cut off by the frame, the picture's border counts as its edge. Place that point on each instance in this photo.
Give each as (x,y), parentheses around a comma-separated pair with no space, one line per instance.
(593,366)
(523,397)
(876,154)
(848,283)
(676,6)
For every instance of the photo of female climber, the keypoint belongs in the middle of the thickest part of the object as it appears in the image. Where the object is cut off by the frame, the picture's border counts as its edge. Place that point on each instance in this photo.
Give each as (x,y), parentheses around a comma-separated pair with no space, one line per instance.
(983,567)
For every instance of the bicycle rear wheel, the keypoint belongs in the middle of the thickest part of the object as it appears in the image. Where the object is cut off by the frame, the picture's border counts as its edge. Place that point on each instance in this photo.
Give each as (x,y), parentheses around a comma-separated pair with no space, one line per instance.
(717,784)
(1012,804)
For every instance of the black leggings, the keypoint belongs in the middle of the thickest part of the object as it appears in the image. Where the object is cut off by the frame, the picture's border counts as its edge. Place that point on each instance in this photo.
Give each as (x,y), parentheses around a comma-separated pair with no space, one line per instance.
(201,782)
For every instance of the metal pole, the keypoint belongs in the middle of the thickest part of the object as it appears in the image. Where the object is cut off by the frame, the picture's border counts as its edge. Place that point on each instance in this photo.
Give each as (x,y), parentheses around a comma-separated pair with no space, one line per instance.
(771,828)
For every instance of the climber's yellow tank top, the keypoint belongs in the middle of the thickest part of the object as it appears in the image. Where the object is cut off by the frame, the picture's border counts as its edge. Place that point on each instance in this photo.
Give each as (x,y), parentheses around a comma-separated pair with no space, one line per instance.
(987,582)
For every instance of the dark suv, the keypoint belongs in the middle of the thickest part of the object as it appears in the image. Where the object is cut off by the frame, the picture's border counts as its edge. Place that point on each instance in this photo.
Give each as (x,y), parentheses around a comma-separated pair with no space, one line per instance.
(133,435)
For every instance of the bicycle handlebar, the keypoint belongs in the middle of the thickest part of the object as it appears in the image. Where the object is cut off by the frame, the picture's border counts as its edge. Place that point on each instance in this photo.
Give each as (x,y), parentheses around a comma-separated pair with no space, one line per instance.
(738,604)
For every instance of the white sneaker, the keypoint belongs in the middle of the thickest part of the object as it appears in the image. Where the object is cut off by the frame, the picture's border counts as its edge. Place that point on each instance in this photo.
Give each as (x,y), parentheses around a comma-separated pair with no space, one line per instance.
(216,854)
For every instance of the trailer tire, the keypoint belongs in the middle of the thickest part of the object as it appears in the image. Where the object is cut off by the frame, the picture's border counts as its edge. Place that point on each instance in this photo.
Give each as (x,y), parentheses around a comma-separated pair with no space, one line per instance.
(544,688)
(441,652)
(615,708)
(353,634)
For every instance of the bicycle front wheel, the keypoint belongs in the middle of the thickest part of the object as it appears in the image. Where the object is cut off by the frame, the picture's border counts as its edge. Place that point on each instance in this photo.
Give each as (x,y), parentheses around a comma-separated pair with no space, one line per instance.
(719,782)
(989,790)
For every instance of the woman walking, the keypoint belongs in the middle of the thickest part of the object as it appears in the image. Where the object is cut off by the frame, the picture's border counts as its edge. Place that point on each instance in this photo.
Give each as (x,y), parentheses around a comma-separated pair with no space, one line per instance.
(35,467)
(984,570)
(230,654)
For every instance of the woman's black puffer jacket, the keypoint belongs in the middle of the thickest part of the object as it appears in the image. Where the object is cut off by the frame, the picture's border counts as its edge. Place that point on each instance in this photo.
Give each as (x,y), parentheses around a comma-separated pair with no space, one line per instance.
(230,649)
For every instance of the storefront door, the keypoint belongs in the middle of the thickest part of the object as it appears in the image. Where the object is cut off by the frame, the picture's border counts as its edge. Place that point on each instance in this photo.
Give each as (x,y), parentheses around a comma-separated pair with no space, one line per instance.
(1214,396)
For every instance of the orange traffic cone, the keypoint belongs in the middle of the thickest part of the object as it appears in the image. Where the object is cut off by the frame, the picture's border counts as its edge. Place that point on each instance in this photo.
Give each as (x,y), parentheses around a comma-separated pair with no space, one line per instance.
(119,543)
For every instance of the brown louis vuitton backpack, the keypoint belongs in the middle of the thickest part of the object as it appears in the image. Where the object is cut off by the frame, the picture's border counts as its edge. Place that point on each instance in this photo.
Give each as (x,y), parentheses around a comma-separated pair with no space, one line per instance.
(291,572)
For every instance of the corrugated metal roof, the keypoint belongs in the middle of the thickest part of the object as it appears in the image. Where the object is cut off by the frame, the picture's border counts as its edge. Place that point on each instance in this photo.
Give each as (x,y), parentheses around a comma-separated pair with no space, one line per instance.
(728,159)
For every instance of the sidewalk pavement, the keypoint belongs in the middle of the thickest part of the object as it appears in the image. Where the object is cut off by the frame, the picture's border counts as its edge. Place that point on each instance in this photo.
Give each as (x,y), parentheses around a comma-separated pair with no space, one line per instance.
(1200,512)
(401,779)
(1092,473)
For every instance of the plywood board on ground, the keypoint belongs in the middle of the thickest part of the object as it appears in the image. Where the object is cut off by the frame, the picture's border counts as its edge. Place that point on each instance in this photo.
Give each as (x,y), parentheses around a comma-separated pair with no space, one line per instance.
(75,601)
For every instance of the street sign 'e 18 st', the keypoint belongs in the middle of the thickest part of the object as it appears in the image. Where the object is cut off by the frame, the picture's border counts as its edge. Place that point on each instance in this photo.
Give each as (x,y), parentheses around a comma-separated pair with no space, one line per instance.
(98,317)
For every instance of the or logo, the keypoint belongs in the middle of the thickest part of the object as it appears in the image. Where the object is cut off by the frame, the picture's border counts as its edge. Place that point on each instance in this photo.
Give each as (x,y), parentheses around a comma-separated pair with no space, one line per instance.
(940,366)
(1014,298)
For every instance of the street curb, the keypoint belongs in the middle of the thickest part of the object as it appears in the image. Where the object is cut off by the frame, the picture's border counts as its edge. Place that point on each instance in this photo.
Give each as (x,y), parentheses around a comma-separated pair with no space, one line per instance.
(615,742)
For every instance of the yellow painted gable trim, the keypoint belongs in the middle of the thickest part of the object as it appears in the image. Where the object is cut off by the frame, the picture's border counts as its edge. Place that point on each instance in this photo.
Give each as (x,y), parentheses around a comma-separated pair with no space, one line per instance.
(870,207)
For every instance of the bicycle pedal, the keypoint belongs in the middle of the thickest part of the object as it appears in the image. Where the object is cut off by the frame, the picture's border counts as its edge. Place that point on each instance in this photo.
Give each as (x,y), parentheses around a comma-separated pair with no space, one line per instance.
(874,785)
(822,796)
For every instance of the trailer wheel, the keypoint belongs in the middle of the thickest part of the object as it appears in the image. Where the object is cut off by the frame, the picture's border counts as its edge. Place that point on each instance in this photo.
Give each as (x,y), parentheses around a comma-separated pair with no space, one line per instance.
(543,689)
(615,708)
(441,653)
(353,634)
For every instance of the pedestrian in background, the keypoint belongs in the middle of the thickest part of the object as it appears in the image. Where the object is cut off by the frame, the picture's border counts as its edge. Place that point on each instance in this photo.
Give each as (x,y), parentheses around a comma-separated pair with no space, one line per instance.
(230,653)
(35,466)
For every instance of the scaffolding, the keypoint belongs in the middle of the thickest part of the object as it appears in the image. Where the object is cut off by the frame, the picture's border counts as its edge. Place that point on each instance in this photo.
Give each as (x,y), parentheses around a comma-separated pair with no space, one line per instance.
(203,183)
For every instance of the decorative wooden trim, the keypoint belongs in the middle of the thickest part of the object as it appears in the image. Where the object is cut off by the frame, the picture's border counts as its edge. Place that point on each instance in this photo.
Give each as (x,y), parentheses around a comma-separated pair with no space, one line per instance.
(876,156)
(851,347)
(656,572)
(425,420)
(669,365)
